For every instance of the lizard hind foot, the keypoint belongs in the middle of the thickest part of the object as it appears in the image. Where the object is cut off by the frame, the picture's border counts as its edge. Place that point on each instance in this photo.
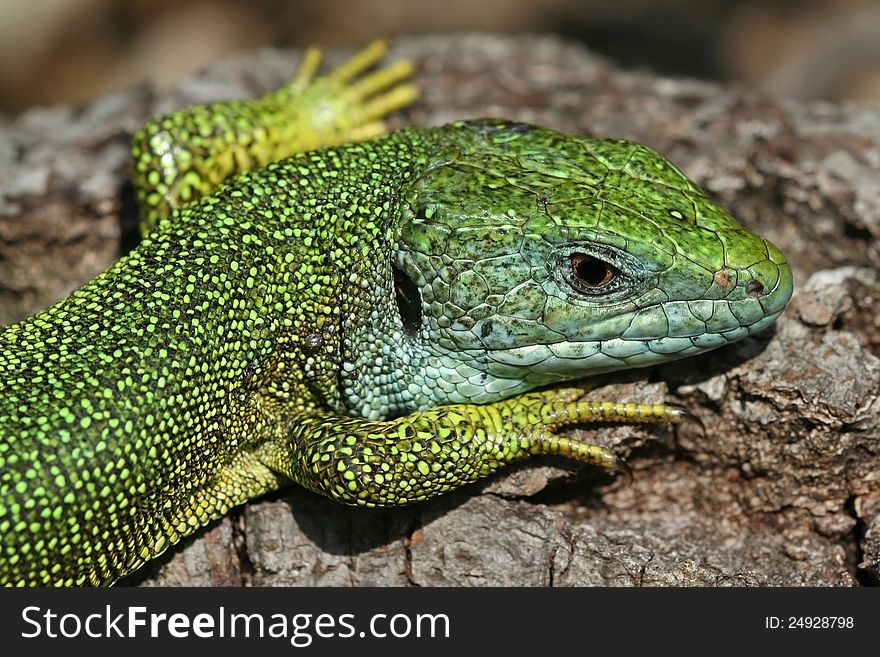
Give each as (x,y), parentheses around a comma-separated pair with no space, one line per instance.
(350,102)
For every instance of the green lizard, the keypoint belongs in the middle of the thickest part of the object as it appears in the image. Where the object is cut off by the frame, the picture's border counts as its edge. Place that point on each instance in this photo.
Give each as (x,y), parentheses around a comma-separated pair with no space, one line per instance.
(373,321)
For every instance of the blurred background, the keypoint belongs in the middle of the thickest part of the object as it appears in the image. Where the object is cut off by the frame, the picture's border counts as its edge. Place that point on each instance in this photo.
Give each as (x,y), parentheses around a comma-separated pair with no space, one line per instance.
(55,51)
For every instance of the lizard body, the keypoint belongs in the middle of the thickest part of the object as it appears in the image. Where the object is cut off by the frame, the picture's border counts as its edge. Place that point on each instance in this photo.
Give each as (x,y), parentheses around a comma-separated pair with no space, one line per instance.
(370,320)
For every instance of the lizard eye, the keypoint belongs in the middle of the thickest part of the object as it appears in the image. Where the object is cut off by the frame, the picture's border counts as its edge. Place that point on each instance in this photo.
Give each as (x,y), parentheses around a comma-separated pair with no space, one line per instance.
(591,272)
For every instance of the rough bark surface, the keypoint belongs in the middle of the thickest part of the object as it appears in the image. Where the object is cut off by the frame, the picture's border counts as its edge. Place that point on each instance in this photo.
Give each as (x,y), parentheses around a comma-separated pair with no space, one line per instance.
(781,489)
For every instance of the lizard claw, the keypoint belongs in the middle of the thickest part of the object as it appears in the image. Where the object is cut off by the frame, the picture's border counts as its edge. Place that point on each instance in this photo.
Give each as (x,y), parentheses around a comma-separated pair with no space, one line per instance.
(681,415)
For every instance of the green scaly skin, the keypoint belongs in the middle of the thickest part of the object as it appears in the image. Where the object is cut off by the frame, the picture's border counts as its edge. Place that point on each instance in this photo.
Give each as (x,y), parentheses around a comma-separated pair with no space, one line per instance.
(367,320)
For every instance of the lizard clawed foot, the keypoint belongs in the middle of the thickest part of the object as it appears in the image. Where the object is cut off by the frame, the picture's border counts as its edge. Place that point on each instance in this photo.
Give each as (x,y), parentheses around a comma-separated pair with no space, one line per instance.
(557,408)
(350,103)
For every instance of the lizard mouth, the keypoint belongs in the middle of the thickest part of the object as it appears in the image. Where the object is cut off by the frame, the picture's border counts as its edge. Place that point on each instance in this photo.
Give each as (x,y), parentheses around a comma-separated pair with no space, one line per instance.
(663,332)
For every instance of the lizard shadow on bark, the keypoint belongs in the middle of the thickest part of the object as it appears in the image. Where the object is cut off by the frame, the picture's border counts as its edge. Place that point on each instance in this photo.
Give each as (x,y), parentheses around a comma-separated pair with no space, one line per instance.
(345,530)
(342,530)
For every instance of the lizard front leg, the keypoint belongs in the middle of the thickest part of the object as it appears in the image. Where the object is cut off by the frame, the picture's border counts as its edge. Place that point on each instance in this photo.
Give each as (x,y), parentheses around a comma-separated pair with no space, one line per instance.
(426,453)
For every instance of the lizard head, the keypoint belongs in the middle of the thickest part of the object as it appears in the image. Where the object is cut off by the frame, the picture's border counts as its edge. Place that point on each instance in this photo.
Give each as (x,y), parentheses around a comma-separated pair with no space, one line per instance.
(526,256)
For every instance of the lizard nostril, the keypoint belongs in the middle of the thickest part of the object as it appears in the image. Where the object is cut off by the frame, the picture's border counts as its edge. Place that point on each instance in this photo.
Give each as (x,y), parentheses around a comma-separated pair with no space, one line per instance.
(754,288)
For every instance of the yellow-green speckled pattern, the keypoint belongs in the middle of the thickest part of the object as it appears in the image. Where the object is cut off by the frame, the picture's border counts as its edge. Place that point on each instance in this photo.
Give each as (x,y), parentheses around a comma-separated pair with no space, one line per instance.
(367,320)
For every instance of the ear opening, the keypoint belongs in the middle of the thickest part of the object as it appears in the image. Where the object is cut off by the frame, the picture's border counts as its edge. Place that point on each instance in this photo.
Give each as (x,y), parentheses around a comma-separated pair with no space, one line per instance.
(409,302)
